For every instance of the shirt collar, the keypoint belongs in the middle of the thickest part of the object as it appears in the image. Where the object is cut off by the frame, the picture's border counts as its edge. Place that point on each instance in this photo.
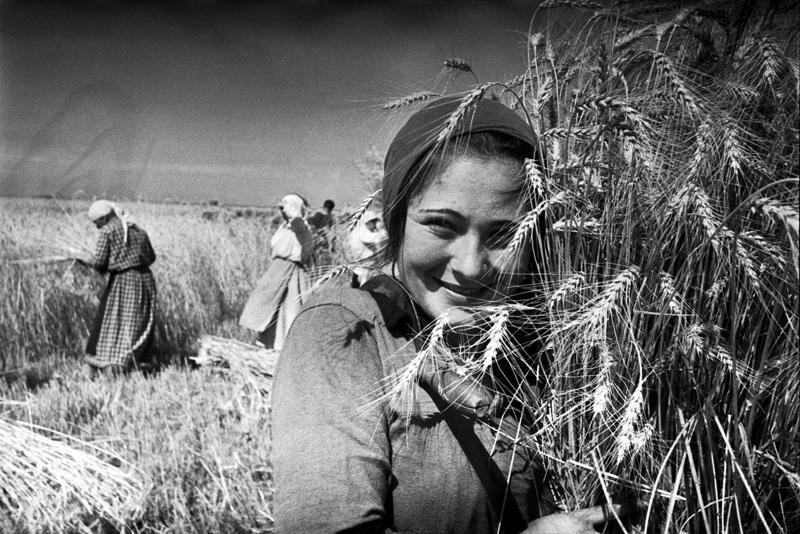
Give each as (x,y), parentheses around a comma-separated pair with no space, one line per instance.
(400,313)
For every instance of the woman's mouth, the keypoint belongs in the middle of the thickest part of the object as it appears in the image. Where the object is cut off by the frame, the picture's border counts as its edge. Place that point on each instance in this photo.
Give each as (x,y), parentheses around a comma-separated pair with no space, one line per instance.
(470,291)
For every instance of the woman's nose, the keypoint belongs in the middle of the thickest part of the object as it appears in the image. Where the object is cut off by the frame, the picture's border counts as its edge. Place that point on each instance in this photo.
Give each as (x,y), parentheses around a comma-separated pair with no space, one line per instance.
(470,258)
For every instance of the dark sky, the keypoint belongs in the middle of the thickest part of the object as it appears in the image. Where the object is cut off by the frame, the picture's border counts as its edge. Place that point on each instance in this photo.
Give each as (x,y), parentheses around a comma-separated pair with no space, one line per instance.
(236,101)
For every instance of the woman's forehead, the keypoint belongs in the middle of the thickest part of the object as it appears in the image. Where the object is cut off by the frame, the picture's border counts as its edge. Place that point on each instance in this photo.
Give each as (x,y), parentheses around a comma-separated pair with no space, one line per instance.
(473,184)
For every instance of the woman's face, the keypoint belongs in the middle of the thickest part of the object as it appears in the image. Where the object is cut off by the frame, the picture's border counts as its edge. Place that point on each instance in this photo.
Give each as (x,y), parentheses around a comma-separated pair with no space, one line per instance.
(456,231)
(102,221)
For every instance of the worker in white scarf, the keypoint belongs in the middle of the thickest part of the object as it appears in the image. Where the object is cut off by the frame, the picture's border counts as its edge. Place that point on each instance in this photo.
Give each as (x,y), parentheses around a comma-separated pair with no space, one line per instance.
(101,211)
(123,328)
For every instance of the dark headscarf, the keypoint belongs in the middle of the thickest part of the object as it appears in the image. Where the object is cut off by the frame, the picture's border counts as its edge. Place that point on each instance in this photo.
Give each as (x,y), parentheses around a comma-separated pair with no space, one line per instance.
(419,135)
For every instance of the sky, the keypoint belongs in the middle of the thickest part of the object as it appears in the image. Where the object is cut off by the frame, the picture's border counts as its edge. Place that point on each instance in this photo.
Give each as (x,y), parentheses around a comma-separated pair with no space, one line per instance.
(239,102)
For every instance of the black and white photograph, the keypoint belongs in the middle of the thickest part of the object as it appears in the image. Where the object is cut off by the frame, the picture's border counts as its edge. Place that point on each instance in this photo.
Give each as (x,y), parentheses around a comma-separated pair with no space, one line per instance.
(401,266)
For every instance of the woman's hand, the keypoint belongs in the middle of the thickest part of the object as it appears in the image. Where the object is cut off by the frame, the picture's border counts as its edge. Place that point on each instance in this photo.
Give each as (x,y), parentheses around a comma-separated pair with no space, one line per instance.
(581,521)
(563,523)
(83,258)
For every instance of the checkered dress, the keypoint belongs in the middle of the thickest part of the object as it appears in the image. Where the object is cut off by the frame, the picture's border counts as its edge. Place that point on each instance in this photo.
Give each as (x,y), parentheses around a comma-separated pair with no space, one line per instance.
(124,323)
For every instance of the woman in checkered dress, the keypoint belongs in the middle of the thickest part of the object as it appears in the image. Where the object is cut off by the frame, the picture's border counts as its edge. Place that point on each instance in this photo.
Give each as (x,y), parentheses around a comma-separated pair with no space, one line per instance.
(124,323)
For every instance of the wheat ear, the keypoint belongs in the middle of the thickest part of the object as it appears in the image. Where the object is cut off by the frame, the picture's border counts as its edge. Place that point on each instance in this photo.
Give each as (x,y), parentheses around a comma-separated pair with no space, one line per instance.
(360,210)
(455,118)
(666,68)
(408,100)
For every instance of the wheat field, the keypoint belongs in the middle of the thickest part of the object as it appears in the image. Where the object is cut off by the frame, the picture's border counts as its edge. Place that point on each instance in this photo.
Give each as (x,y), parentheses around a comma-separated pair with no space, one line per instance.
(197,438)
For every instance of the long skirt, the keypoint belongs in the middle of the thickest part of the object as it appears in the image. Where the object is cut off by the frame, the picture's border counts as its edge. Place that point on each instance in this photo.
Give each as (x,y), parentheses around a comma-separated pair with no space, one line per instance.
(275,302)
(125,321)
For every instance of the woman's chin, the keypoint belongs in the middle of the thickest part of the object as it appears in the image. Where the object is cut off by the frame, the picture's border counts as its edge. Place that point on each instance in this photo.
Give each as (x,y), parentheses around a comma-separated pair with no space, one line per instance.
(453,314)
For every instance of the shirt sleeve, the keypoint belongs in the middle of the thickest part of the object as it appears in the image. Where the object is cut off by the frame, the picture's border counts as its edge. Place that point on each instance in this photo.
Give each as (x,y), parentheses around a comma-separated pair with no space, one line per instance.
(102,252)
(331,448)
(149,253)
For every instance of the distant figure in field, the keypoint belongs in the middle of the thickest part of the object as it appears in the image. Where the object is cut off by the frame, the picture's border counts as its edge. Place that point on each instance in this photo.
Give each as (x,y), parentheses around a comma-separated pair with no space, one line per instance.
(364,243)
(323,224)
(322,220)
(125,321)
(275,301)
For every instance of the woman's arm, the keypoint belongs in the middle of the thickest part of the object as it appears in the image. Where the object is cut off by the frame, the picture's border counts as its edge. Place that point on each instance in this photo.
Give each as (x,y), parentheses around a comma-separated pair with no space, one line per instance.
(331,450)
(304,237)
(102,252)
(149,253)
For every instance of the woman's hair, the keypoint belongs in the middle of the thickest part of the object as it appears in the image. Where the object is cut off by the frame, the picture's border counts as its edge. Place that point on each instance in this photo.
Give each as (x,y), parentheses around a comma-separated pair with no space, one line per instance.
(483,146)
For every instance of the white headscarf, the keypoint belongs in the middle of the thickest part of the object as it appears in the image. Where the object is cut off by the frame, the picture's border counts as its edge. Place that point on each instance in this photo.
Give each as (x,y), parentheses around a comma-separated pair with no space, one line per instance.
(294,205)
(101,208)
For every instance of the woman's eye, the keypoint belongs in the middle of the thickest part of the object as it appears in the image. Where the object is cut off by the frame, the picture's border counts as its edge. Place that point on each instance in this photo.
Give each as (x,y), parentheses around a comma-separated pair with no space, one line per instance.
(441,227)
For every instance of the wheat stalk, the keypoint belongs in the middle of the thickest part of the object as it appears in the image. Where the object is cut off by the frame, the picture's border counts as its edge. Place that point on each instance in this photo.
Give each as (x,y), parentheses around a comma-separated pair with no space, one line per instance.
(703,139)
(496,339)
(360,210)
(457,63)
(578,4)
(467,103)
(770,57)
(787,216)
(413,98)
(669,294)
(331,274)
(603,390)
(627,438)
(587,133)
(666,68)
(594,317)
(570,285)
(534,179)
(527,225)
(403,384)
(733,153)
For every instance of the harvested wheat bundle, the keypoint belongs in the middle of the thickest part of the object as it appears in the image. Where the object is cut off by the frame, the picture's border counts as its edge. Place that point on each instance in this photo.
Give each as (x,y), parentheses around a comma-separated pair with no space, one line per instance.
(237,356)
(51,486)
(665,297)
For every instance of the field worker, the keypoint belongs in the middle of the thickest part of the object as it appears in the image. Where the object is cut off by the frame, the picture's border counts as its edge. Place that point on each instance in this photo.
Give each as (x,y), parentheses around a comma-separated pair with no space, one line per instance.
(323,224)
(322,220)
(276,299)
(125,321)
(364,243)
(344,457)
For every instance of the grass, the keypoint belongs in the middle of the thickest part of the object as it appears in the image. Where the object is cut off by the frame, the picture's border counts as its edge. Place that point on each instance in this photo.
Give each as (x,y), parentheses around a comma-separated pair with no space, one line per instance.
(200,437)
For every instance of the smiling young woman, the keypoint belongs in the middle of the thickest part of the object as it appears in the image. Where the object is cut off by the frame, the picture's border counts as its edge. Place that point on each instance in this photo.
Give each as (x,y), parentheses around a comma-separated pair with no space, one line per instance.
(456,230)
(346,459)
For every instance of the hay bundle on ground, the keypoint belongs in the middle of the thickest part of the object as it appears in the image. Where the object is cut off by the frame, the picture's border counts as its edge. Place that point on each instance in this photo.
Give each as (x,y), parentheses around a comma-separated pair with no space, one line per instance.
(237,356)
(50,486)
